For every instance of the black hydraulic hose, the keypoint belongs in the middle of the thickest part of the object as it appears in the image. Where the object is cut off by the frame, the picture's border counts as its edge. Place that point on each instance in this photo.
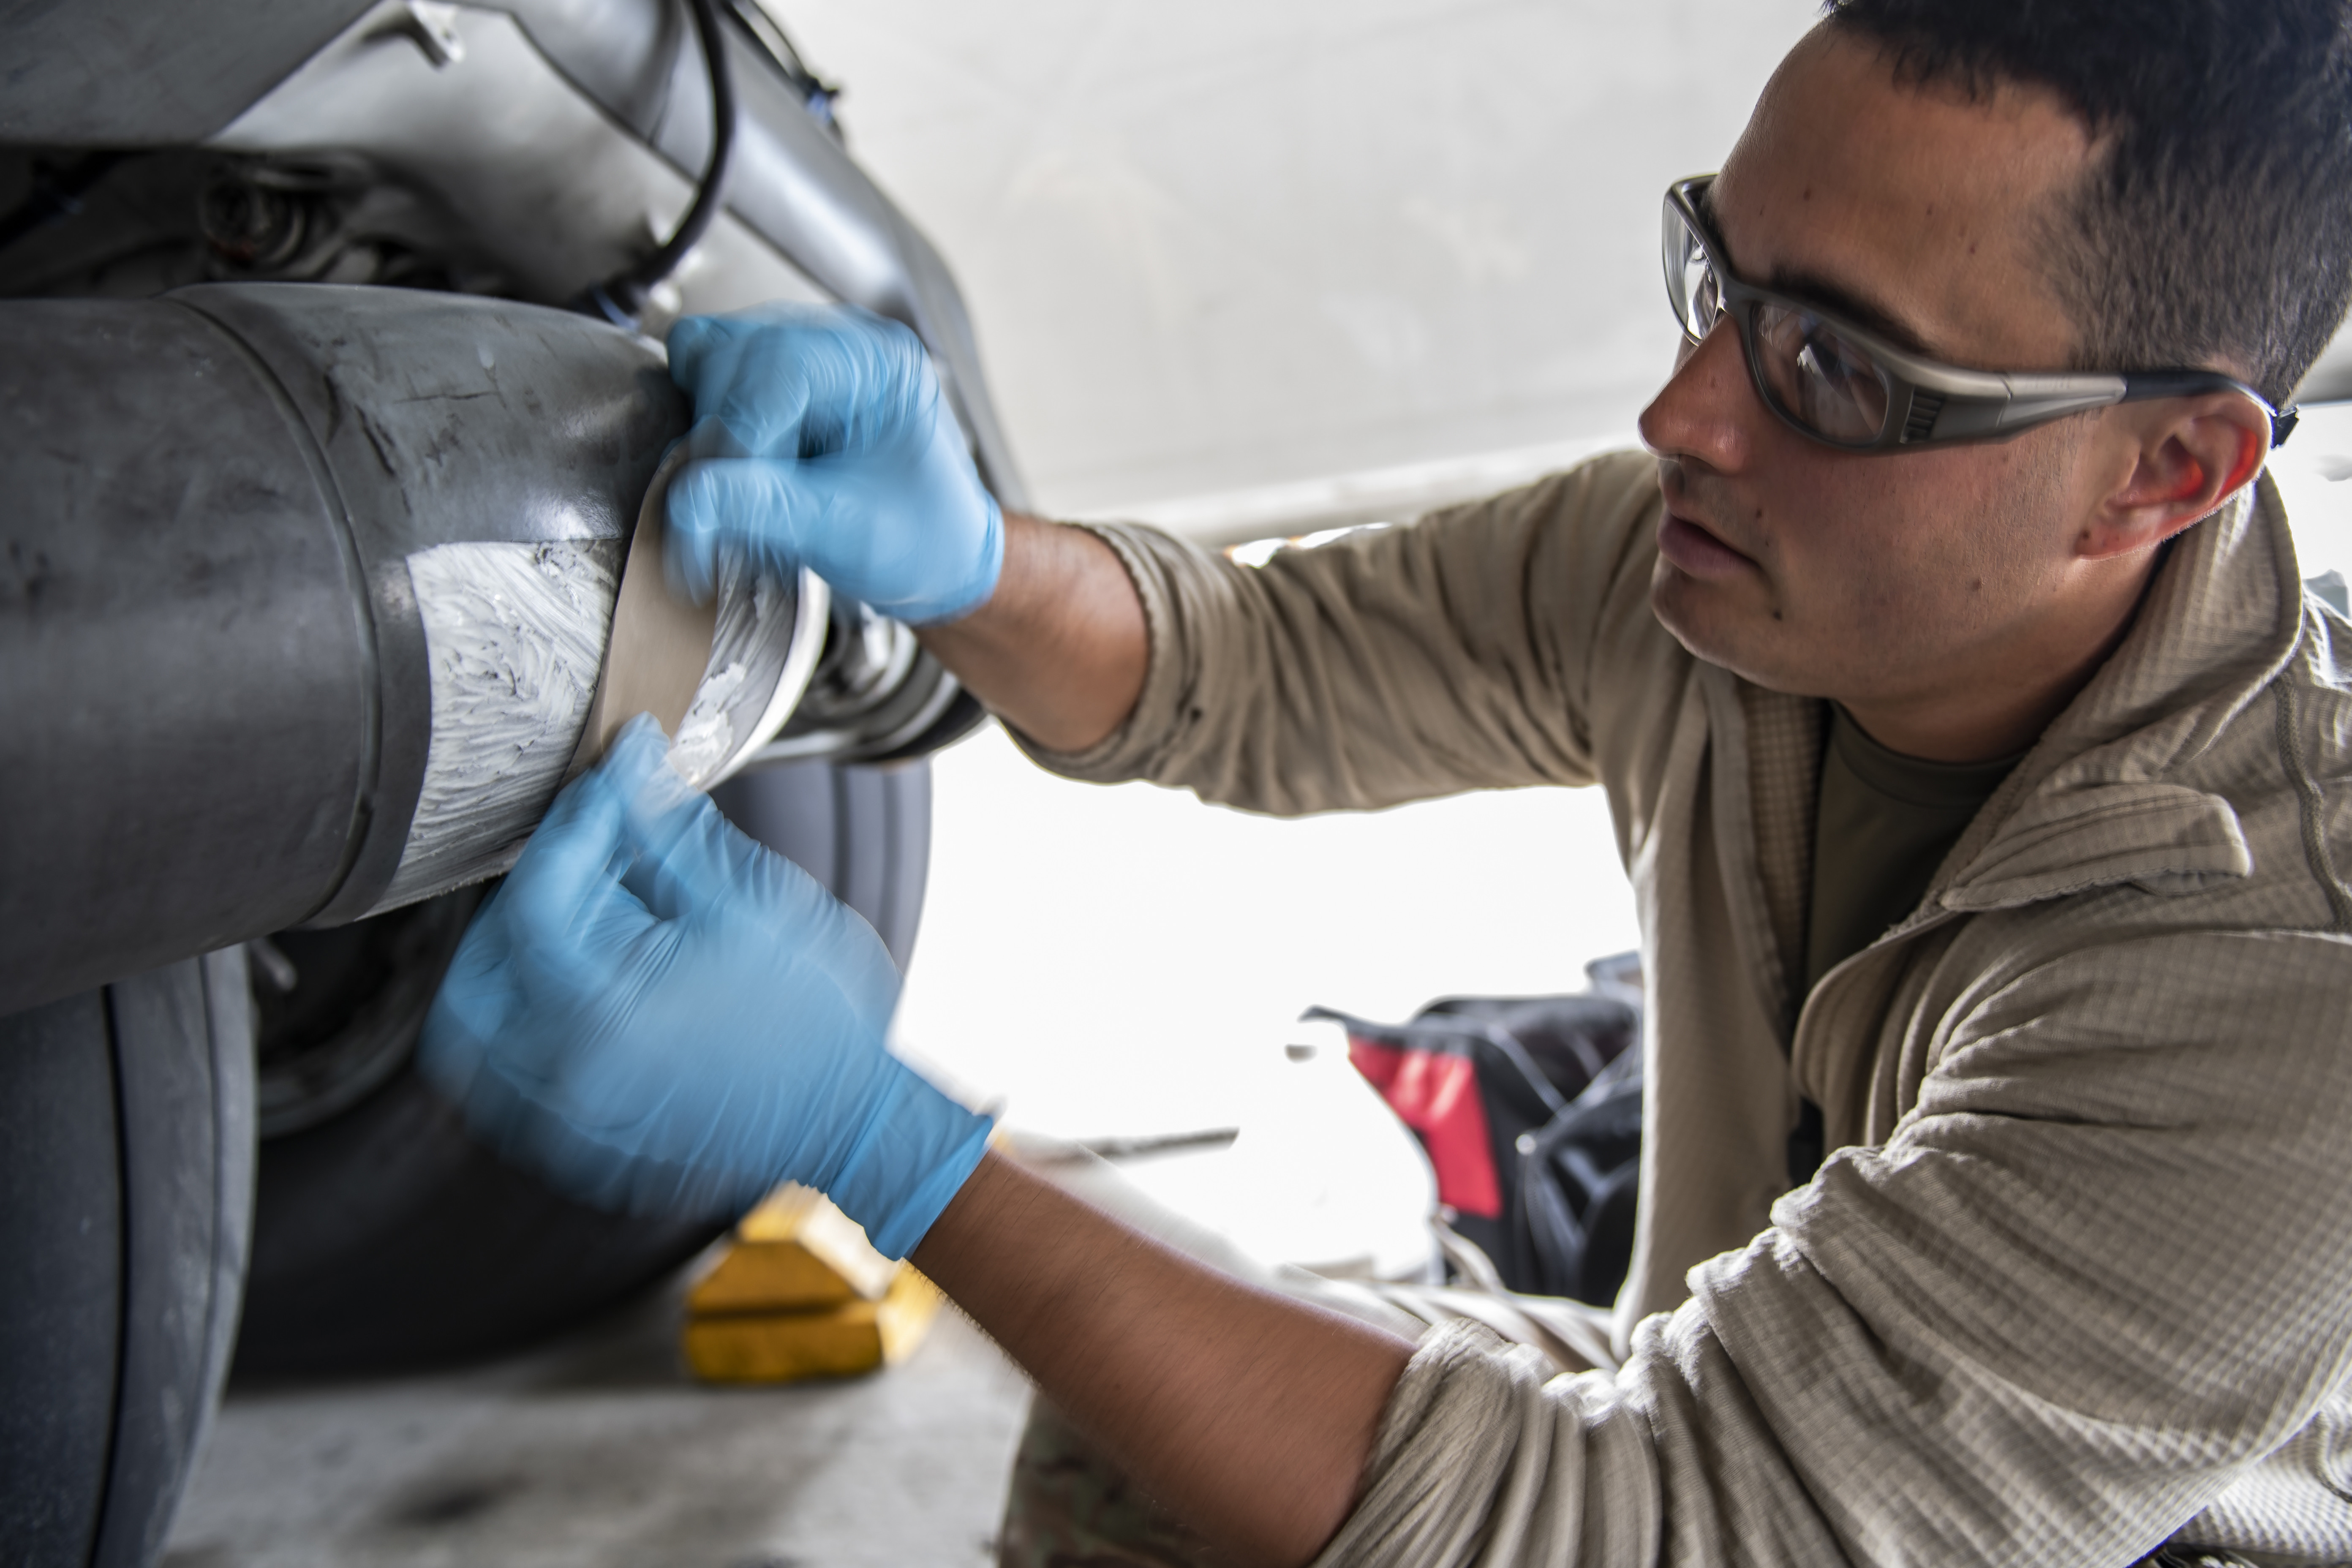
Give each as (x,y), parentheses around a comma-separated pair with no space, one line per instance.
(622,298)
(699,216)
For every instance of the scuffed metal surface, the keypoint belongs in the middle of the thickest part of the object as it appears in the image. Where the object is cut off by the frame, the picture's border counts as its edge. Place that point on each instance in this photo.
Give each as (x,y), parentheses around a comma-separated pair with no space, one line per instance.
(762,652)
(706,736)
(515,635)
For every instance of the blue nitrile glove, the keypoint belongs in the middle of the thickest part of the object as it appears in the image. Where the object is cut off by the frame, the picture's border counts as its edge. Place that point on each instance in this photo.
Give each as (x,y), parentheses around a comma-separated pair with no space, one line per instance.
(821,440)
(656,1013)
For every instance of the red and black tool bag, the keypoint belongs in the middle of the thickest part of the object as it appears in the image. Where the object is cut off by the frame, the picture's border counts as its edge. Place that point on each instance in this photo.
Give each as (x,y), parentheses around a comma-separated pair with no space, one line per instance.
(1530,1108)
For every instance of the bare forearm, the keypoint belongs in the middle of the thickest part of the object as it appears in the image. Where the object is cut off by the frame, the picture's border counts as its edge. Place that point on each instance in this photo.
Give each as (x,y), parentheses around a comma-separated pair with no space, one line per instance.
(1249,1413)
(1058,651)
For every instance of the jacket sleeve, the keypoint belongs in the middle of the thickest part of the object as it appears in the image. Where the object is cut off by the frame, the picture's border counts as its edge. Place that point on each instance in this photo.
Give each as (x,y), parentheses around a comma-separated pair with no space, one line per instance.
(2089,1295)
(1455,653)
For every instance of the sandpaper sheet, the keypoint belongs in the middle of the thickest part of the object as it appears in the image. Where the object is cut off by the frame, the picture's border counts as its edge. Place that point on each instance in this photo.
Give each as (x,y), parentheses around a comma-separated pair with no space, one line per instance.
(660,647)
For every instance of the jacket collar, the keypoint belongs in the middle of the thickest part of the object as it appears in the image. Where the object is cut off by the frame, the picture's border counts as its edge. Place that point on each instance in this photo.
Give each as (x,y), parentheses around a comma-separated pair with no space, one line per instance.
(2099,799)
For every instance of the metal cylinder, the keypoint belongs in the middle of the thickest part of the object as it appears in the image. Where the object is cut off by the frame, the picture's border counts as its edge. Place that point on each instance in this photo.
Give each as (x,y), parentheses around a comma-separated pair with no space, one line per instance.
(217,510)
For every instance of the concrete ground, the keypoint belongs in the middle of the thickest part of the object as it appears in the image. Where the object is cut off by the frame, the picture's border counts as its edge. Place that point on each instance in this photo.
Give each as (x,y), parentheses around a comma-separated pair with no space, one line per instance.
(599,1452)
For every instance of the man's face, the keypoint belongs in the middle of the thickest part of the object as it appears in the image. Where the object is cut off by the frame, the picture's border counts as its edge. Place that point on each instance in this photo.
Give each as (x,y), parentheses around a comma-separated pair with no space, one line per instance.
(1877,579)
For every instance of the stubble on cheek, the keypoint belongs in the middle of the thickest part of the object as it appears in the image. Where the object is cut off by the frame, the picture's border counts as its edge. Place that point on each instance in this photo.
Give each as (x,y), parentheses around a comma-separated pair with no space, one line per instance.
(1938,565)
(1898,570)
(1834,606)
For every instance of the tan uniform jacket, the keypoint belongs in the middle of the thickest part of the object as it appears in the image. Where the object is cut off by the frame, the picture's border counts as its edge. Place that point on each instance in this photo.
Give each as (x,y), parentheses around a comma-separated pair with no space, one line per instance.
(2080,1273)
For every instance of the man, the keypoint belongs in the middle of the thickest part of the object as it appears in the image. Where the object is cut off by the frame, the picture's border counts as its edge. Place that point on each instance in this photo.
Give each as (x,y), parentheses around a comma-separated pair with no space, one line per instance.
(2016,664)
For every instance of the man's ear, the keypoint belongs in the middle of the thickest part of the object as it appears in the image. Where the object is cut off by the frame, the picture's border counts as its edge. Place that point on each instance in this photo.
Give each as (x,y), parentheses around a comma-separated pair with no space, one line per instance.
(2185,456)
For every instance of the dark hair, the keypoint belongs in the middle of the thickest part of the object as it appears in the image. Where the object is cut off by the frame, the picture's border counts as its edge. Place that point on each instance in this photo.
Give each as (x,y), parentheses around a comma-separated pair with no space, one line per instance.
(2220,223)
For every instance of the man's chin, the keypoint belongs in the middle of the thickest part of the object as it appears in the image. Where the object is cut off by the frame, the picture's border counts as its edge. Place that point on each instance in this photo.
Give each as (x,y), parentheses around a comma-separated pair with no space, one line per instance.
(1713,623)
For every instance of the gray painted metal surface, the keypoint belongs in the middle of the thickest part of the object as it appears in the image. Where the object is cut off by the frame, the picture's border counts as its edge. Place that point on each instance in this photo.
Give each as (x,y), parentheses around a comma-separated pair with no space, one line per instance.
(212,665)
(131,73)
(519,168)
(624,54)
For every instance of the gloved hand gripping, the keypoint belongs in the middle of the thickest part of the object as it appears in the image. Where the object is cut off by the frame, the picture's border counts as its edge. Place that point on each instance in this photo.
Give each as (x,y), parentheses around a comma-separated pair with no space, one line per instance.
(821,439)
(656,1013)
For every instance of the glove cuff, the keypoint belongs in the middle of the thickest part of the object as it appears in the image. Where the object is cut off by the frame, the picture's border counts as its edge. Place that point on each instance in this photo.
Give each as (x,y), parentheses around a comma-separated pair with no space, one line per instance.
(913,1155)
(978,588)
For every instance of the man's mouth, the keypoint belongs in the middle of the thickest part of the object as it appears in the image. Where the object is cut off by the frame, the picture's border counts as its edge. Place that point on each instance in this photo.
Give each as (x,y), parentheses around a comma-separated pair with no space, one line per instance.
(1697,551)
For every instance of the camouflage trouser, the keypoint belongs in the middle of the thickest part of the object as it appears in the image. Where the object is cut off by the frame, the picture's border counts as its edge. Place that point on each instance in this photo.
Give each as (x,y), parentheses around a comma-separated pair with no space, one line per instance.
(1068,1506)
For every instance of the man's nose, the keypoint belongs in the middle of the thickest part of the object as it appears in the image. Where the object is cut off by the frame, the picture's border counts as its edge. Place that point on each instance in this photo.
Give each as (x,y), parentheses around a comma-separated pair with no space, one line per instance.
(1707,408)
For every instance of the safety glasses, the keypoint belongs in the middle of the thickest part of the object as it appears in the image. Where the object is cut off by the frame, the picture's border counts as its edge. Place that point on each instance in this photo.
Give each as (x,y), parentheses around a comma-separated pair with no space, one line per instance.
(1849,388)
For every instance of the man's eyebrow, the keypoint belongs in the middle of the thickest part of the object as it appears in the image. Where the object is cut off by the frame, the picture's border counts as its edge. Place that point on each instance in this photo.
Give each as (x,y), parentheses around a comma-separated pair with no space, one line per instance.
(1812,288)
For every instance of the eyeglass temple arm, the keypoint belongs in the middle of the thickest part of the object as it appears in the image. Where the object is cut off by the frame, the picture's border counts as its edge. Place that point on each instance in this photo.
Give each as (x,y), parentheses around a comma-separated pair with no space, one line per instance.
(2191,383)
(2003,407)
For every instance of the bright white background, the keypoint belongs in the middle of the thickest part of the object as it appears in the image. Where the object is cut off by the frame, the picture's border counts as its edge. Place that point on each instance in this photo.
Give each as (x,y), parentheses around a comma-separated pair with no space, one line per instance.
(1228,242)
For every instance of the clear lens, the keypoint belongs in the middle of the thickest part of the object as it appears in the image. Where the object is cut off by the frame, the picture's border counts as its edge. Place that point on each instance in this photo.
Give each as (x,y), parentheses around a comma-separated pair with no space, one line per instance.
(1818,378)
(1690,277)
(1812,374)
